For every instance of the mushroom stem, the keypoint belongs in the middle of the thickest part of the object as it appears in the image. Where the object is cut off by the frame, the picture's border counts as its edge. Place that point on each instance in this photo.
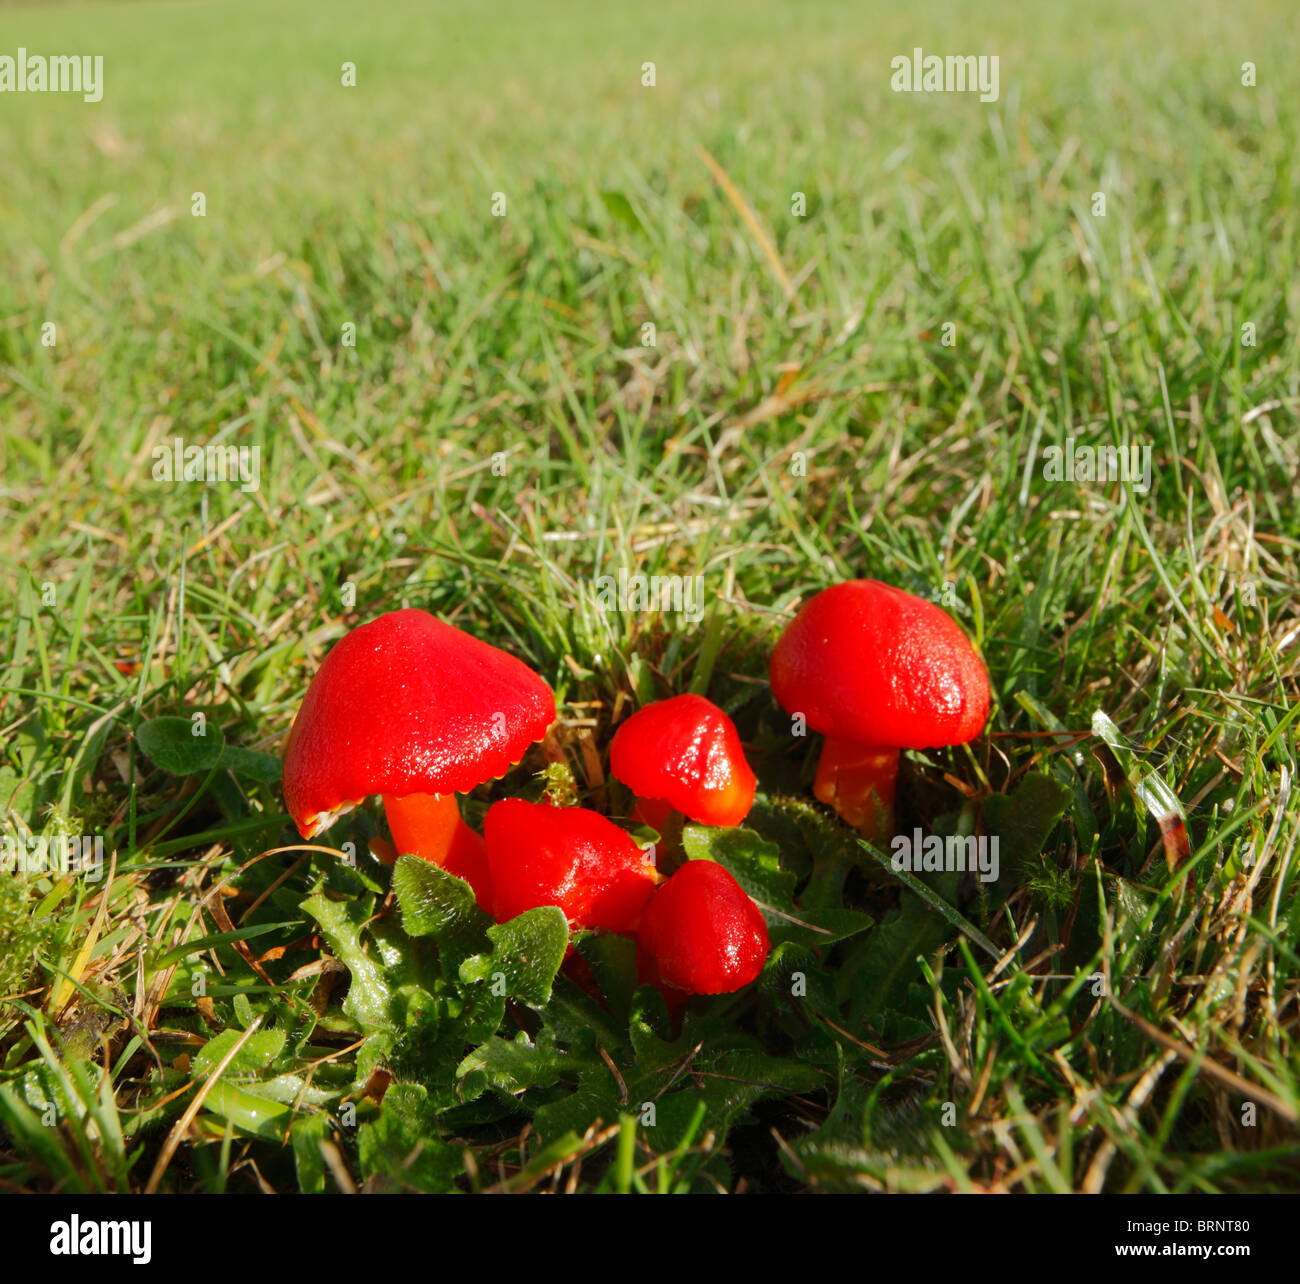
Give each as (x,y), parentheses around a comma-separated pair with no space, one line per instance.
(430,826)
(858,781)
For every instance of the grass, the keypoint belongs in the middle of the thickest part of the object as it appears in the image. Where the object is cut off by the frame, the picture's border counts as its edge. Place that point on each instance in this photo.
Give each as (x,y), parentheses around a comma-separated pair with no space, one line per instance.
(227,1011)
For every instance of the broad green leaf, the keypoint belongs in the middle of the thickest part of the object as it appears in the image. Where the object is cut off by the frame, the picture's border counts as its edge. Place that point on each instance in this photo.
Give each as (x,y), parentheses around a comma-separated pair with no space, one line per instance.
(512,1065)
(793,976)
(649,1024)
(528,952)
(402,1151)
(738,1078)
(261,1049)
(252,764)
(752,862)
(873,975)
(579,1021)
(306,1134)
(16,793)
(1022,822)
(933,899)
(597,1097)
(612,959)
(756,865)
(821,927)
(369,998)
(840,1167)
(438,904)
(242,1106)
(170,743)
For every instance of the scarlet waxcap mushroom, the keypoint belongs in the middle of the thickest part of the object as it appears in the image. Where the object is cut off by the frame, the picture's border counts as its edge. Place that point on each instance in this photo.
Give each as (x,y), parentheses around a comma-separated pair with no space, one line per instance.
(701,933)
(685,752)
(876,670)
(416,710)
(539,854)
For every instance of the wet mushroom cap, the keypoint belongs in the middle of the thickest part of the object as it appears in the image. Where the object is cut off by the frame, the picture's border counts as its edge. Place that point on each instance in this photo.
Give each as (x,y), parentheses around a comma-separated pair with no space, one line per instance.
(408,705)
(566,856)
(701,932)
(687,752)
(871,663)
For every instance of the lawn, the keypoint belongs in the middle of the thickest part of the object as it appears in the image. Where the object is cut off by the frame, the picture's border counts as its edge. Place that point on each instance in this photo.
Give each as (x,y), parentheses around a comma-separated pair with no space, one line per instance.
(501,299)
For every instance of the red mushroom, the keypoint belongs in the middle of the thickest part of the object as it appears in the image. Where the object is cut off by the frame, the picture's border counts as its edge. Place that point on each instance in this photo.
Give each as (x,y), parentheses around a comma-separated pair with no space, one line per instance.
(418,711)
(701,934)
(683,754)
(876,670)
(539,854)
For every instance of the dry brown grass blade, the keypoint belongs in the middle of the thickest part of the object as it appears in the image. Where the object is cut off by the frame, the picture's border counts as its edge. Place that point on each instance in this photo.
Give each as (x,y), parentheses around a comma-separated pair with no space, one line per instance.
(218,911)
(756,229)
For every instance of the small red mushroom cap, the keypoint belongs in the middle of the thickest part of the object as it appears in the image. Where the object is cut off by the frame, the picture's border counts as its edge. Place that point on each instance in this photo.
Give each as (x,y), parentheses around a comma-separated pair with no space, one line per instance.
(701,933)
(566,856)
(408,705)
(687,752)
(870,663)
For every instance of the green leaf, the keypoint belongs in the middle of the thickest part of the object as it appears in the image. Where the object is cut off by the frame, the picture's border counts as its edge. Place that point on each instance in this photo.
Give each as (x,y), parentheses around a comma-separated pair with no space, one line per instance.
(1160,802)
(402,1150)
(16,793)
(247,1110)
(579,1020)
(754,863)
(27,1134)
(739,1078)
(513,1066)
(597,1097)
(880,967)
(306,1134)
(529,951)
(649,1024)
(553,1153)
(777,982)
(438,904)
(1022,822)
(822,927)
(932,898)
(256,1055)
(621,208)
(612,959)
(170,743)
(252,764)
(369,999)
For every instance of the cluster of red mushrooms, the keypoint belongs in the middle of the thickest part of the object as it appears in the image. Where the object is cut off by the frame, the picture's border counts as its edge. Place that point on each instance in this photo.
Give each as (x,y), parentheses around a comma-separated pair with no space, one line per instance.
(418,711)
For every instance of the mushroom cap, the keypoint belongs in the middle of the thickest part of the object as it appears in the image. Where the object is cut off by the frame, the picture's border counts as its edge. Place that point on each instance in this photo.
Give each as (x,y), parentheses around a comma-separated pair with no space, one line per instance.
(867,662)
(572,857)
(687,752)
(408,705)
(701,932)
